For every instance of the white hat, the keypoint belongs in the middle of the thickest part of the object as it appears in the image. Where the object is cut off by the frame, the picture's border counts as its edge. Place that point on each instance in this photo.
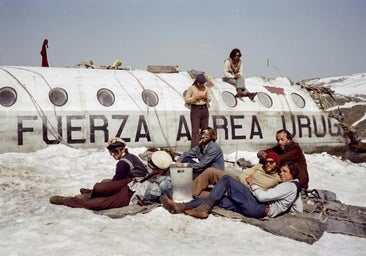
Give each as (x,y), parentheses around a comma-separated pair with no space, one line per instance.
(161,160)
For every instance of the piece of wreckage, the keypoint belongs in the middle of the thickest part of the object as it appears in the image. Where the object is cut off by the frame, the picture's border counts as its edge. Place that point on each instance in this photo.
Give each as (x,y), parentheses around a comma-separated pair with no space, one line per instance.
(322,211)
(83,106)
(337,106)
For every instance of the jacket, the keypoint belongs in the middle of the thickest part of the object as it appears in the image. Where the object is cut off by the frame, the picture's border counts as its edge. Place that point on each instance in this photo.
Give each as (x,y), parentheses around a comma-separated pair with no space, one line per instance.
(129,166)
(209,155)
(293,152)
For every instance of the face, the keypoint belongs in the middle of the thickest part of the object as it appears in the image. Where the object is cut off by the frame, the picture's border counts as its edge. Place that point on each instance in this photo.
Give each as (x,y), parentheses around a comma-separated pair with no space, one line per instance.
(270,165)
(117,153)
(282,140)
(237,56)
(205,136)
(200,86)
(285,174)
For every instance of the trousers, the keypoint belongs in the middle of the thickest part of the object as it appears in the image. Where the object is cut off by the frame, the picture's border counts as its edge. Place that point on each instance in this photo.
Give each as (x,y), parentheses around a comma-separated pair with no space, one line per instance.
(231,194)
(105,195)
(199,120)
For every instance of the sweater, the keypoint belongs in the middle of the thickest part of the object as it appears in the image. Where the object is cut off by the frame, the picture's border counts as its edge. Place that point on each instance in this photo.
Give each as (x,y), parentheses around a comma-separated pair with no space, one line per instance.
(281,198)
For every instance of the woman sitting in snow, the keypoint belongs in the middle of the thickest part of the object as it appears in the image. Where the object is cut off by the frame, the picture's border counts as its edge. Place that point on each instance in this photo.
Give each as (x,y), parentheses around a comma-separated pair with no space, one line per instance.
(254,202)
(119,193)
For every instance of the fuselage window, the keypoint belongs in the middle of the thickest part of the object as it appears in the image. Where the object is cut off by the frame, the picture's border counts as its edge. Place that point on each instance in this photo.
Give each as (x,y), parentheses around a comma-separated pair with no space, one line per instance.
(8,96)
(150,98)
(58,96)
(298,100)
(229,99)
(105,97)
(265,99)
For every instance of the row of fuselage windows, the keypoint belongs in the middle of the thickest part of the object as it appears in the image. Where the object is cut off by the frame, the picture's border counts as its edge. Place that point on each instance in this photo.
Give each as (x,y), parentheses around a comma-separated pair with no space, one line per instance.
(59,97)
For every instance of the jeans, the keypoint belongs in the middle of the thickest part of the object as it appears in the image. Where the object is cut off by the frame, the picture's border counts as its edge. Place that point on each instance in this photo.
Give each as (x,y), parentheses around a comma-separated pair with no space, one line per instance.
(239,83)
(231,194)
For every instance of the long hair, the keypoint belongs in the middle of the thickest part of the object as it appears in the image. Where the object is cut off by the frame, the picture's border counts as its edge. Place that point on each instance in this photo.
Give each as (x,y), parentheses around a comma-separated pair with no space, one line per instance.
(234,52)
(211,133)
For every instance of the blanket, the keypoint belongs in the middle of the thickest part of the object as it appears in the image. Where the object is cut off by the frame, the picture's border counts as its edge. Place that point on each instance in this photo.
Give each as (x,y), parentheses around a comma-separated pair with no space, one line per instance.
(320,215)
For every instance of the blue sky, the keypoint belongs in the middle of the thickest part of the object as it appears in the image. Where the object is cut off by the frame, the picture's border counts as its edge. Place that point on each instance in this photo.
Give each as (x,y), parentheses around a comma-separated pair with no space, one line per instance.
(301,38)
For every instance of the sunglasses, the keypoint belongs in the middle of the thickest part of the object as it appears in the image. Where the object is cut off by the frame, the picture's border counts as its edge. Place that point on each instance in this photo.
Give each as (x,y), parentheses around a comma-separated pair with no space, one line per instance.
(114,151)
(205,134)
(270,162)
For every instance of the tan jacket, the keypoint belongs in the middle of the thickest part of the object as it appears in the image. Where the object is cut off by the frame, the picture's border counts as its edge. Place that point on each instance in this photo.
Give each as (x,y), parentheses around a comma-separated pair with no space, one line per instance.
(260,177)
(193,92)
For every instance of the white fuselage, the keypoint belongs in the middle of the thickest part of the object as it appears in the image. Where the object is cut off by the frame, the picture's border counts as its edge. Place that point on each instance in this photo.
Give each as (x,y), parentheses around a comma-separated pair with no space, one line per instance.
(148,110)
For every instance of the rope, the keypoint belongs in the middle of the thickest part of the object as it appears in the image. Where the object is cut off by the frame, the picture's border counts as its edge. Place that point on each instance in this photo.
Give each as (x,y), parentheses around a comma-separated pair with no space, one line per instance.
(39,110)
(156,114)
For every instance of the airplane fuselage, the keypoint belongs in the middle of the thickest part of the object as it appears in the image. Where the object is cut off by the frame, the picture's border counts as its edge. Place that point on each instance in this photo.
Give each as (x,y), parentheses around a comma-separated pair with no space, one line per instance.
(84,107)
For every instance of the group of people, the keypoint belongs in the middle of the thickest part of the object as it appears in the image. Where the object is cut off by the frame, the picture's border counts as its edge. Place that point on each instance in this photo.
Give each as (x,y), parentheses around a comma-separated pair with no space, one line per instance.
(267,189)
(198,96)
(133,182)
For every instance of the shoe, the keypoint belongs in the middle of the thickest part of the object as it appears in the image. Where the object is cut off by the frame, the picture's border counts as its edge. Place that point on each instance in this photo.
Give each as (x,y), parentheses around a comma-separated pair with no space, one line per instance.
(196,214)
(58,199)
(170,205)
(239,94)
(251,95)
(85,191)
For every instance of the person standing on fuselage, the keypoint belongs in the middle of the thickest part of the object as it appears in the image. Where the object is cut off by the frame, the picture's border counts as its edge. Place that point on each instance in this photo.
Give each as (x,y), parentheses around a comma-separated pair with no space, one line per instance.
(198,97)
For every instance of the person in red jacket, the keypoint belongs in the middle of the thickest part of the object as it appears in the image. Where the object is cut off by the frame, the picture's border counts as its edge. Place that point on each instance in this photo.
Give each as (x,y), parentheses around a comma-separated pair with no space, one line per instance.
(289,150)
(44,53)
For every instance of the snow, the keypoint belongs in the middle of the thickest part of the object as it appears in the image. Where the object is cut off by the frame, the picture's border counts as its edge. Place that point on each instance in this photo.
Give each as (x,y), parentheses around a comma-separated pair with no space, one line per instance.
(30,225)
(352,85)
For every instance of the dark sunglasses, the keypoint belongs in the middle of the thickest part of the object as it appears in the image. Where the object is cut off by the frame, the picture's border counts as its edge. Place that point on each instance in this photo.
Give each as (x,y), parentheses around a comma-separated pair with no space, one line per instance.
(270,162)
(205,134)
(114,151)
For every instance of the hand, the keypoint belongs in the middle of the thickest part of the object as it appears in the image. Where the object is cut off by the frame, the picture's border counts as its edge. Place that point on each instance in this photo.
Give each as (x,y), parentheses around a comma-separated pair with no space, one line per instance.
(178,164)
(249,180)
(197,98)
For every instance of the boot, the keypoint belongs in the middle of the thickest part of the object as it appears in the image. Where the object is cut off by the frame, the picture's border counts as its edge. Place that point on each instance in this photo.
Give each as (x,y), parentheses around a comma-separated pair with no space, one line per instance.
(172,206)
(251,95)
(59,199)
(239,93)
(201,212)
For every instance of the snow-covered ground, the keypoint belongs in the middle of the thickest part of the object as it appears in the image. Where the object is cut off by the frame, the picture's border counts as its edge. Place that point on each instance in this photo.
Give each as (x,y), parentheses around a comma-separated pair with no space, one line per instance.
(30,225)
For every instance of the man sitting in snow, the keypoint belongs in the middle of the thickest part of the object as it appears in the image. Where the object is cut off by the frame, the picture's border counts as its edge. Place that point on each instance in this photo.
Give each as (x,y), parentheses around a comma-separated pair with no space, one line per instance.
(264,175)
(288,150)
(128,165)
(253,202)
(119,193)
